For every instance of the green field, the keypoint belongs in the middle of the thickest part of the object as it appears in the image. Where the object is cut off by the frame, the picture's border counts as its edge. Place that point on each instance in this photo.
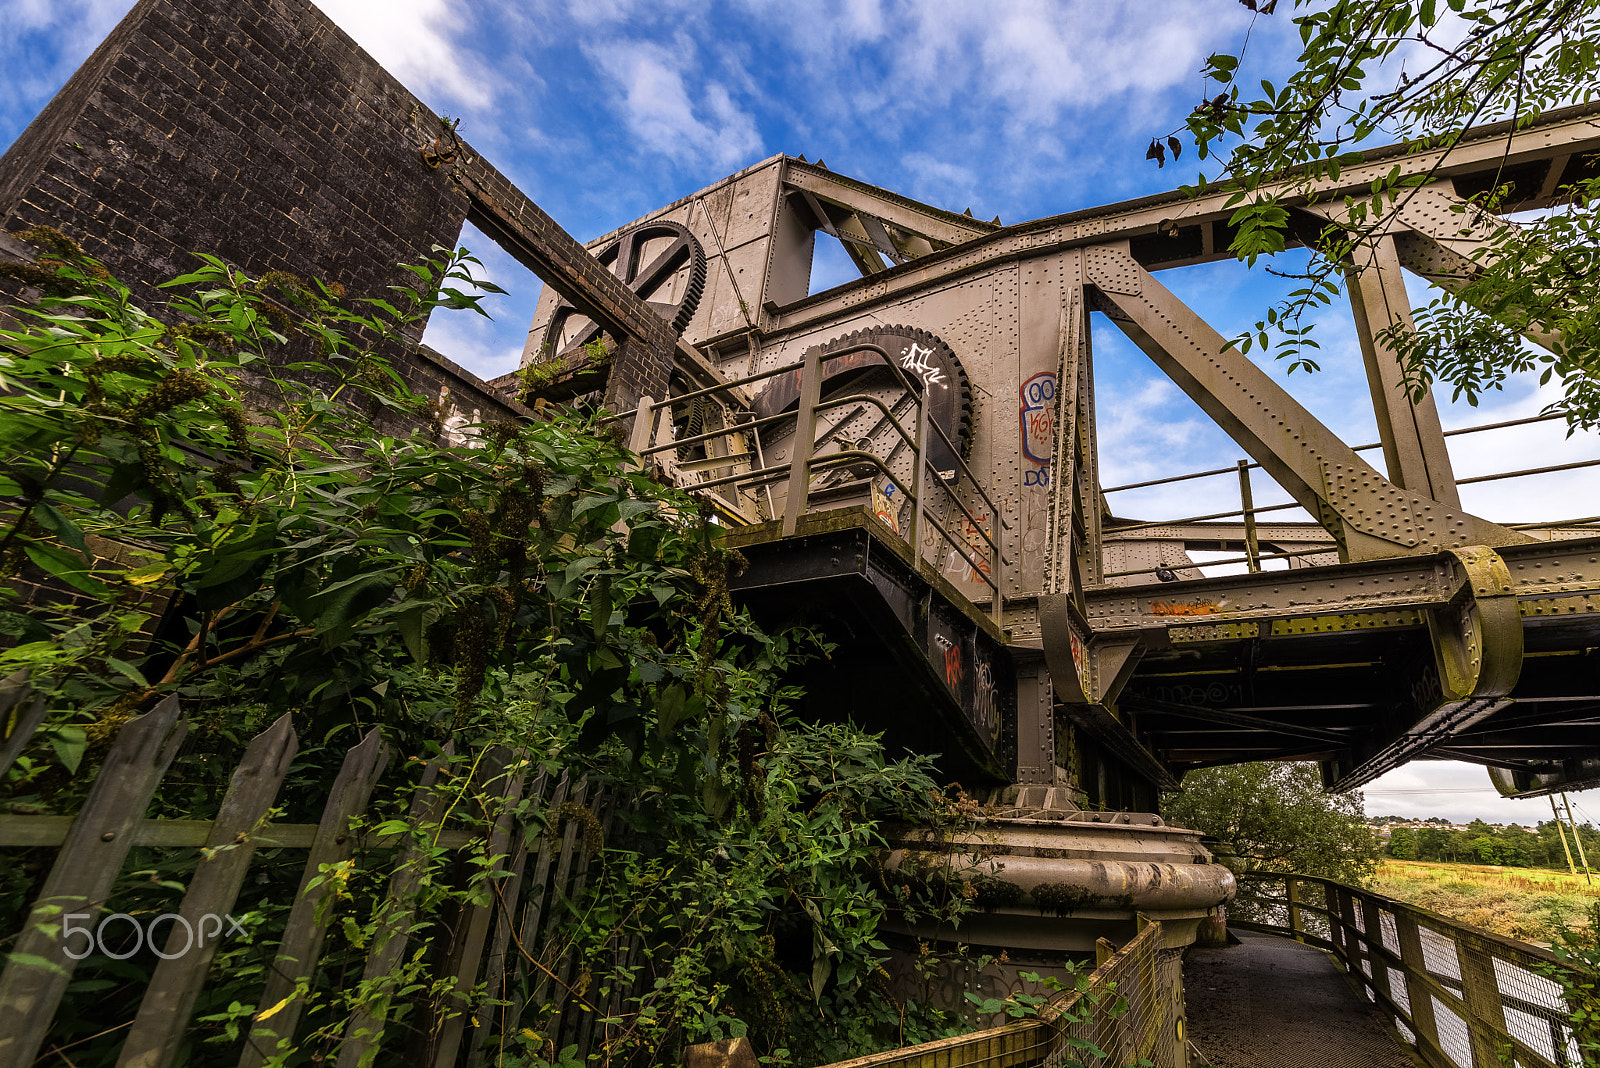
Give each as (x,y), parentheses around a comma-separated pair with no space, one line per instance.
(1524,903)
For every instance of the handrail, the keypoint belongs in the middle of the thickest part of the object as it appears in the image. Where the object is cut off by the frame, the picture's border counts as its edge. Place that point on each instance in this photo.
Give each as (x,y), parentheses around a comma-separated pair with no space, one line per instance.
(805,459)
(867,398)
(1199,518)
(1357,448)
(1328,548)
(1460,995)
(695,439)
(1122,1008)
(972,478)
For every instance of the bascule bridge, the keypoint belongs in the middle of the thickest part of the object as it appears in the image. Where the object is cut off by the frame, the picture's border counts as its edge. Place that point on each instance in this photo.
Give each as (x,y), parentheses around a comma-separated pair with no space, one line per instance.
(912,456)
(910,461)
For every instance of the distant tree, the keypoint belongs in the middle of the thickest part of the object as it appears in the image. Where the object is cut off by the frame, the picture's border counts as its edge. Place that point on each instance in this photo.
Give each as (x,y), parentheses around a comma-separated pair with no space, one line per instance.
(1276,815)
(1433,843)
(1488,848)
(1403,844)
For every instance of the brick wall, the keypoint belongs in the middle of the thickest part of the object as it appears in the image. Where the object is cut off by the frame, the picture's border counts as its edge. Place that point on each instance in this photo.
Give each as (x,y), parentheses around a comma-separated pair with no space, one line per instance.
(255,131)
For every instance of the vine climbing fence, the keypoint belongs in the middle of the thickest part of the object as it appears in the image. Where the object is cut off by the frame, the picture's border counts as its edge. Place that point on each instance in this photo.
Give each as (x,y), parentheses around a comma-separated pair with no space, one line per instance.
(492,958)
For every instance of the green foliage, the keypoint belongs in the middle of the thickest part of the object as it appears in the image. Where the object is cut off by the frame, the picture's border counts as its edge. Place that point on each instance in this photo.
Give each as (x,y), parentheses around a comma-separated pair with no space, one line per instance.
(1276,816)
(230,489)
(1068,1004)
(1465,63)
(1579,976)
(1510,845)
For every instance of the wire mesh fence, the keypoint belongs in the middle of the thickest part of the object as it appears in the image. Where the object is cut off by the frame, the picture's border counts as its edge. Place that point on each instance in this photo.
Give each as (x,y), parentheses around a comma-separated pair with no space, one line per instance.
(1133,1013)
(1463,998)
(1130,1012)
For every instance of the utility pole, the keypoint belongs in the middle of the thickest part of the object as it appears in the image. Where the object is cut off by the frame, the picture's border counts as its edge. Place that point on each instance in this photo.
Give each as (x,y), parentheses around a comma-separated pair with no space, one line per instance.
(1564,847)
(1573,824)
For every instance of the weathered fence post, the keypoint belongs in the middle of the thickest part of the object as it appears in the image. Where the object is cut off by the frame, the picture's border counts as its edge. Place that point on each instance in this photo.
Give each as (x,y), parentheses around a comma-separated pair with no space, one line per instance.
(506,893)
(1418,997)
(533,910)
(569,840)
(24,721)
(220,871)
(88,864)
(1480,989)
(365,1028)
(283,1001)
(502,780)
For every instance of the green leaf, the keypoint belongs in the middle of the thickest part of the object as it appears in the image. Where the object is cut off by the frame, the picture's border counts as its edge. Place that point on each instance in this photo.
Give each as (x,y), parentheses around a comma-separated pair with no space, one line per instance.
(66,566)
(59,525)
(127,670)
(600,610)
(69,744)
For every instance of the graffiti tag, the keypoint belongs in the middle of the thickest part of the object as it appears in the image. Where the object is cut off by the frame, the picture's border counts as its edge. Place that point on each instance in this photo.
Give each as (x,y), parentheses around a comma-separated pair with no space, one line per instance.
(952,662)
(976,549)
(915,360)
(983,696)
(886,504)
(1038,415)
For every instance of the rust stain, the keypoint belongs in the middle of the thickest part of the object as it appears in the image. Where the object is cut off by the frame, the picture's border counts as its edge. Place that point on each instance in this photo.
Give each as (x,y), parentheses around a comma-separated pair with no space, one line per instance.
(1180,608)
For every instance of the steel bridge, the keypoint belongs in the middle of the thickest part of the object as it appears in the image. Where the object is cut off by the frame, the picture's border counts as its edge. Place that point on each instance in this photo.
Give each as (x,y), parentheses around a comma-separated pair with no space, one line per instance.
(912,456)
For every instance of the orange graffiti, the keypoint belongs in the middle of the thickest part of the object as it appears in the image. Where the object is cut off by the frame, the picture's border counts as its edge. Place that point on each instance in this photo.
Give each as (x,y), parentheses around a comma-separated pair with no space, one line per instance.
(952,667)
(1178,608)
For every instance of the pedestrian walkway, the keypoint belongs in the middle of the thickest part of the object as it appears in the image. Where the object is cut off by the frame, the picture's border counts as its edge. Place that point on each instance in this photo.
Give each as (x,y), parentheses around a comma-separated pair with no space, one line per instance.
(1270,1002)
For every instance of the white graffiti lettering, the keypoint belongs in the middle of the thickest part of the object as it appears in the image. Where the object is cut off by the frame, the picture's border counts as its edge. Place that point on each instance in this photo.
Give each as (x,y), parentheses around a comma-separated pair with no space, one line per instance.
(915,360)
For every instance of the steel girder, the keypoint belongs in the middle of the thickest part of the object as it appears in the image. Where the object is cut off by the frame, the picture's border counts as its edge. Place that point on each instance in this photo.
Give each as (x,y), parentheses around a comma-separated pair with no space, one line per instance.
(1368,516)
(1557,136)
(1411,646)
(1413,441)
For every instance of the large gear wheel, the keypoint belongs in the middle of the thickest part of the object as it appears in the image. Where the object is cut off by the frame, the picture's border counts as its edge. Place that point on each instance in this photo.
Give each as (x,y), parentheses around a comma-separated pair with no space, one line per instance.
(664,265)
(921,356)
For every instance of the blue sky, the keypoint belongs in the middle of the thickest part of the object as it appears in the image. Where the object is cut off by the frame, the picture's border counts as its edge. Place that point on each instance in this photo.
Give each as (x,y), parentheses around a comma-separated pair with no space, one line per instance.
(603,110)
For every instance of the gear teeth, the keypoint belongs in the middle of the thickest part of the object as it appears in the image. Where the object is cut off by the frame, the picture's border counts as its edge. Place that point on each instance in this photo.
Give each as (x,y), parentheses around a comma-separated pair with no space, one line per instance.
(692,291)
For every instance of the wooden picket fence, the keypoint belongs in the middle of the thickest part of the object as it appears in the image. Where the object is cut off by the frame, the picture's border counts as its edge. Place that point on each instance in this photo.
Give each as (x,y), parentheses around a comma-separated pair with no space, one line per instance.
(509,946)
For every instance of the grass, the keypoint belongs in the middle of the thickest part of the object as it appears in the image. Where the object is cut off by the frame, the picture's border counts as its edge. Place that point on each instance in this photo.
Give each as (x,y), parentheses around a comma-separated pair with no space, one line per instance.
(1527,904)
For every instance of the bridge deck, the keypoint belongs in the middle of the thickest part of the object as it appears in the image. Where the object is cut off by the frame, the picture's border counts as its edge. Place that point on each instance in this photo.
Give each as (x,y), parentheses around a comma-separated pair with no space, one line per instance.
(1273,1003)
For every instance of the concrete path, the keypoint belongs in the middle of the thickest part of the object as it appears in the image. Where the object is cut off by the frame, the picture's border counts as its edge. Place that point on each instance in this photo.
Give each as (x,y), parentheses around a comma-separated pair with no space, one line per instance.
(1274,1003)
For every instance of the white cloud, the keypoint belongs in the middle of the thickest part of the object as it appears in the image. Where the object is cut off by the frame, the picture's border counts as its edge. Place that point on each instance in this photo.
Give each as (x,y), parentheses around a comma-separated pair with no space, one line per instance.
(1455,791)
(418,42)
(44,42)
(653,96)
(940,182)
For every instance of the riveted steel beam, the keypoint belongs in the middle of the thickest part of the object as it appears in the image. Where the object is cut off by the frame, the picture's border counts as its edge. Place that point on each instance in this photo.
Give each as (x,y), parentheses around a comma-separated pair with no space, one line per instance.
(1565,132)
(1367,516)
(1447,240)
(1477,642)
(1574,774)
(1558,572)
(1413,441)
(944,228)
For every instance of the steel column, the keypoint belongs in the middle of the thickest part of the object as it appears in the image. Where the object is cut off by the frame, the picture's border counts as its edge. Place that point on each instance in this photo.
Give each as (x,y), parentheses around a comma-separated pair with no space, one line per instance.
(1413,441)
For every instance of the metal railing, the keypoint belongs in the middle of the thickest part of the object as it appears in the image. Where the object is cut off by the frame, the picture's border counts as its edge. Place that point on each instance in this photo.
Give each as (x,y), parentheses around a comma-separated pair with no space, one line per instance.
(1130,1011)
(1253,558)
(1464,998)
(982,551)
